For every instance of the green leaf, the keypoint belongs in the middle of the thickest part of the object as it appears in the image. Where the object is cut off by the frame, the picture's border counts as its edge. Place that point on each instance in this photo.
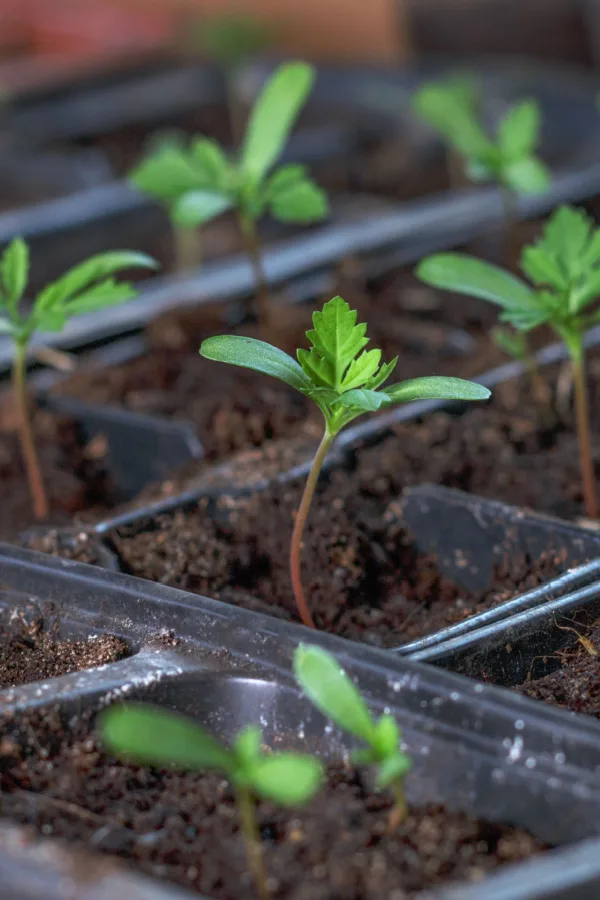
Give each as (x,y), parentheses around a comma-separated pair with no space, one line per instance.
(363,399)
(527,176)
(274,115)
(337,338)
(284,177)
(586,294)
(519,130)
(256,355)
(511,342)
(152,736)
(525,319)
(14,274)
(198,207)
(388,735)
(451,111)
(210,160)
(300,202)
(107,293)
(393,768)
(382,376)
(361,370)
(567,234)
(247,745)
(167,174)
(542,268)
(288,779)
(332,692)
(436,387)
(466,275)
(320,371)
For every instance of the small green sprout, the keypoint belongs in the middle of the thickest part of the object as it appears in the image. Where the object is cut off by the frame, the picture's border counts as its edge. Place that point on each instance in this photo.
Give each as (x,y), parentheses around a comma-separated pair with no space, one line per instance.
(200,182)
(344,380)
(330,689)
(86,287)
(152,736)
(564,269)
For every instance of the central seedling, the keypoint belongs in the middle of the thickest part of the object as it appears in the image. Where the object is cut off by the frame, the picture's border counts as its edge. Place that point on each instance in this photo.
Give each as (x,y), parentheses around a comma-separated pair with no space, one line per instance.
(87,287)
(344,379)
(564,268)
(200,182)
(152,736)
(330,689)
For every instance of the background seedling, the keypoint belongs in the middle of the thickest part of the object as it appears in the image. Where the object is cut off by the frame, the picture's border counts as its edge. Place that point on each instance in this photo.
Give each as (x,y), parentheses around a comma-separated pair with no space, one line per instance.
(86,287)
(564,268)
(152,736)
(510,159)
(330,689)
(516,345)
(344,380)
(199,182)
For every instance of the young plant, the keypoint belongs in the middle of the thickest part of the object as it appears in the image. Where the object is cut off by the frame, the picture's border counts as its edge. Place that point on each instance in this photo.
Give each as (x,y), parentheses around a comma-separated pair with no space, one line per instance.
(564,269)
(151,736)
(344,380)
(200,182)
(86,287)
(330,689)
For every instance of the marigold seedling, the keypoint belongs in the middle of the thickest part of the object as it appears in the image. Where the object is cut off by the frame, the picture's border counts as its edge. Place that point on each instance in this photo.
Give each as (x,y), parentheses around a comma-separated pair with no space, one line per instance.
(344,380)
(86,287)
(330,689)
(152,736)
(200,182)
(564,269)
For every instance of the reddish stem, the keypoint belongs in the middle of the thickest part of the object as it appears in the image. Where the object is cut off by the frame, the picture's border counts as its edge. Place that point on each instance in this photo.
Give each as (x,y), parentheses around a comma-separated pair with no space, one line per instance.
(32,465)
(301,516)
(583,434)
(253,250)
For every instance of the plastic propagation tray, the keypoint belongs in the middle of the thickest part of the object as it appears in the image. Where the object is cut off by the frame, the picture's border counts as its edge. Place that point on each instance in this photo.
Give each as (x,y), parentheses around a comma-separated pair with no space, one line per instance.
(475,748)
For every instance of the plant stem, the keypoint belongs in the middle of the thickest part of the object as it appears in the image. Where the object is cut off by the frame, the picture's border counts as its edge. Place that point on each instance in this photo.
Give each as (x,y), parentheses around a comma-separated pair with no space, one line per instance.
(252,841)
(400,810)
(301,515)
(253,250)
(32,465)
(582,412)
(188,250)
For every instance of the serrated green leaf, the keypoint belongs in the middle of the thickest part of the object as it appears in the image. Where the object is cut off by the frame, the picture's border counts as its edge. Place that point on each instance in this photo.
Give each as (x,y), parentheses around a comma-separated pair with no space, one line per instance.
(519,130)
(363,399)
(319,370)
(382,376)
(567,235)
(393,768)
(542,268)
(257,355)
(527,176)
(466,275)
(273,117)
(14,274)
(153,736)
(288,779)
(361,370)
(199,207)
(284,177)
(329,688)
(436,387)
(210,161)
(301,202)
(337,337)
(586,294)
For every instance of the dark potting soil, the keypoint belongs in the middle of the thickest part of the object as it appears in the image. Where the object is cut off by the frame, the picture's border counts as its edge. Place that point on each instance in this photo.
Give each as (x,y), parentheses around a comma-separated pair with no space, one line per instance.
(29,652)
(575,685)
(183,828)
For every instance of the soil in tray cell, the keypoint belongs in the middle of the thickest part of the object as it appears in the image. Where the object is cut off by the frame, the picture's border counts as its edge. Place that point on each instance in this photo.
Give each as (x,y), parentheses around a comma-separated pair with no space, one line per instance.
(184,828)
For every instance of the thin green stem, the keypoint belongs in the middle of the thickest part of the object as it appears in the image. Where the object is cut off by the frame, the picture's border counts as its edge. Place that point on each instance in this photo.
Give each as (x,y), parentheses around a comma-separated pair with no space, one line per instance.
(582,411)
(301,516)
(252,842)
(32,465)
(252,247)
(188,248)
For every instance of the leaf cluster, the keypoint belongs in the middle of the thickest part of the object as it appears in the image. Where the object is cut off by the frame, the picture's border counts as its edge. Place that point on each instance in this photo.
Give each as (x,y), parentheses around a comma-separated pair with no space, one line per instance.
(510,159)
(199,182)
(153,736)
(342,377)
(330,689)
(563,268)
(87,287)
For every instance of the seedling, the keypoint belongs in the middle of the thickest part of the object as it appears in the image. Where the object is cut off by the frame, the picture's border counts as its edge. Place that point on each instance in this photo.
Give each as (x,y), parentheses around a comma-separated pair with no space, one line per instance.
(151,736)
(510,160)
(344,380)
(330,689)
(564,269)
(200,182)
(86,287)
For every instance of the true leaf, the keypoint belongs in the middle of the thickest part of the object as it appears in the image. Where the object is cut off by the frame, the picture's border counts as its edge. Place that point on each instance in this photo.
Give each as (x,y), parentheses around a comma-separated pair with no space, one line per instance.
(256,355)
(167,174)
(361,370)
(362,398)
(198,207)
(542,267)
(332,692)
(86,273)
(273,116)
(301,202)
(393,768)
(567,234)
(14,273)
(519,130)
(434,387)
(526,176)
(153,736)
(288,779)
(210,160)
(337,337)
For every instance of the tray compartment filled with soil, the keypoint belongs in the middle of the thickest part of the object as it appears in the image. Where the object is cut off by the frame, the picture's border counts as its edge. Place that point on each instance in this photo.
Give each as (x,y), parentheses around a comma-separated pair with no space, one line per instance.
(511,780)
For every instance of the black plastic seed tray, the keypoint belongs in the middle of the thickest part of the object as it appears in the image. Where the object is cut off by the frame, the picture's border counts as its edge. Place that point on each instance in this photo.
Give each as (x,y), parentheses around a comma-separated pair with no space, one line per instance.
(475,748)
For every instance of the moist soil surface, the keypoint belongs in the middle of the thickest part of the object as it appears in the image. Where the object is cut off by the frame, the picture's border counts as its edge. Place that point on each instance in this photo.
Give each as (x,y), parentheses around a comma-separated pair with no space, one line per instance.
(184,828)
(575,685)
(30,653)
